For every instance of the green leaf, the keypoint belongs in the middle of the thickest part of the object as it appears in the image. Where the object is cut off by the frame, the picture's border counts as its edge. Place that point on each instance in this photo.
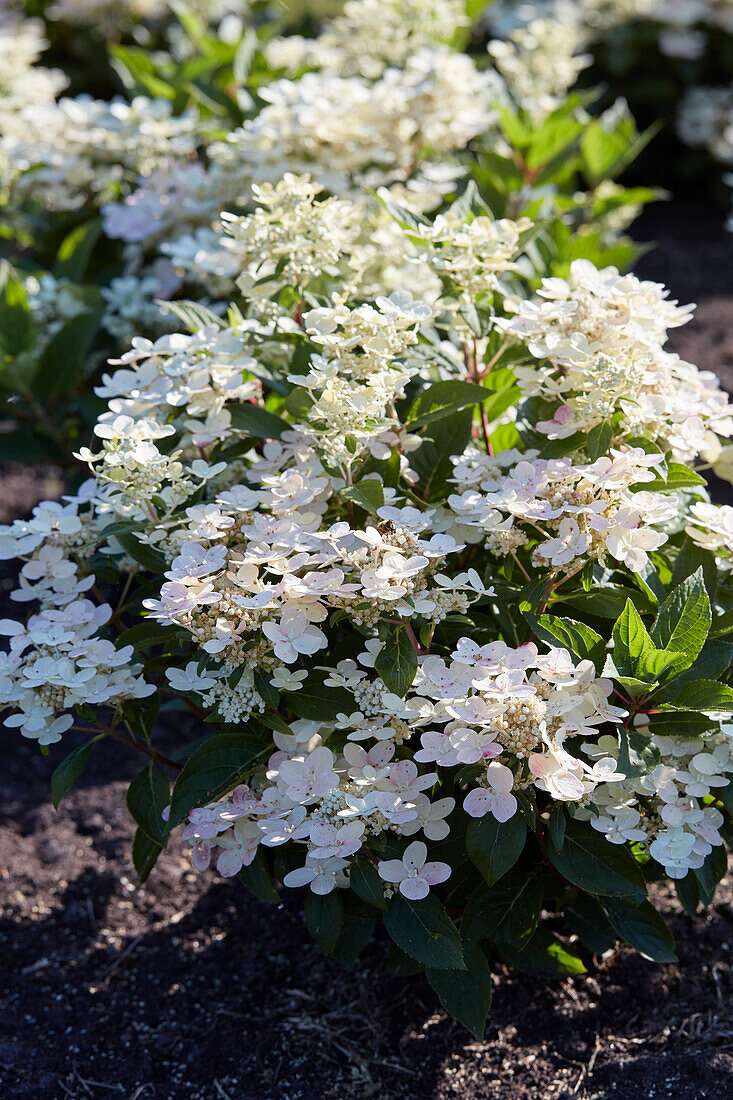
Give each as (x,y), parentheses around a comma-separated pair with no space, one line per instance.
(683,621)
(147,797)
(16,328)
(710,874)
(213,769)
(544,954)
(580,640)
(507,912)
(425,932)
(631,640)
(599,440)
(556,826)
(144,555)
(256,421)
(692,557)
(705,695)
(688,892)
(256,877)
(587,919)
(69,770)
(75,251)
(366,883)
(443,398)
(318,703)
(355,934)
(606,601)
(678,477)
(587,860)
(144,634)
(431,461)
(193,315)
(396,663)
(144,854)
(494,846)
(324,917)
(368,494)
(637,754)
(680,723)
(643,928)
(465,994)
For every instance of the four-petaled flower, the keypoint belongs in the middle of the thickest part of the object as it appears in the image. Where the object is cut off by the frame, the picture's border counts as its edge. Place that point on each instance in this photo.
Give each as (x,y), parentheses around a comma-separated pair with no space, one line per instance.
(412,875)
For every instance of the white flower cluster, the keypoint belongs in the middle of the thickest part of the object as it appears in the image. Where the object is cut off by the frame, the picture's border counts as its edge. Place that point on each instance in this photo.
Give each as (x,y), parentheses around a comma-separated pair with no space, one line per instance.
(59,153)
(509,716)
(600,338)
(355,133)
(56,662)
(370,36)
(586,512)
(665,810)
(540,62)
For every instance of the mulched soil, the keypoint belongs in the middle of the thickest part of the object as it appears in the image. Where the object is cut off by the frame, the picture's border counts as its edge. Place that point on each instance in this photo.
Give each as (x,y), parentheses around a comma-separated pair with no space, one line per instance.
(187,989)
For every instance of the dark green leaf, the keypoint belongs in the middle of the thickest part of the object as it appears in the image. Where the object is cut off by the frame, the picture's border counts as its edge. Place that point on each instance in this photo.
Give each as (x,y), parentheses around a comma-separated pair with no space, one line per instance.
(544,954)
(424,931)
(144,854)
(256,877)
(493,846)
(465,994)
(324,916)
(556,826)
(69,770)
(443,398)
(431,461)
(587,860)
(318,703)
(366,883)
(396,663)
(579,640)
(147,797)
(683,621)
(642,927)
(587,919)
(216,767)
(599,440)
(705,695)
(507,912)
(256,421)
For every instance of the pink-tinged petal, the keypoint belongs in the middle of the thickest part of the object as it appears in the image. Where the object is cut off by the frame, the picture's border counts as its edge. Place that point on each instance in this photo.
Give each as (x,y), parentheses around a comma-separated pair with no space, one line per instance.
(322,833)
(478,802)
(323,884)
(540,764)
(403,772)
(229,862)
(414,888)
(436,872)
(392,870)
(567,787)
(415,855)
(201,857)
(503,806)
(301,876)
(381,754)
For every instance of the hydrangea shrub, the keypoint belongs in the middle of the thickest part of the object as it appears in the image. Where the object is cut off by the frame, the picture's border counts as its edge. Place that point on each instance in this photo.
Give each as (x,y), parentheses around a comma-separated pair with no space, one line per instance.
(436,576)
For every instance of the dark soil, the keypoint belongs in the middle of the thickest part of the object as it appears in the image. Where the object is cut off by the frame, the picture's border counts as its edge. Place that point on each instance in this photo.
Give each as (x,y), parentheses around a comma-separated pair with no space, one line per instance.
(187,989)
